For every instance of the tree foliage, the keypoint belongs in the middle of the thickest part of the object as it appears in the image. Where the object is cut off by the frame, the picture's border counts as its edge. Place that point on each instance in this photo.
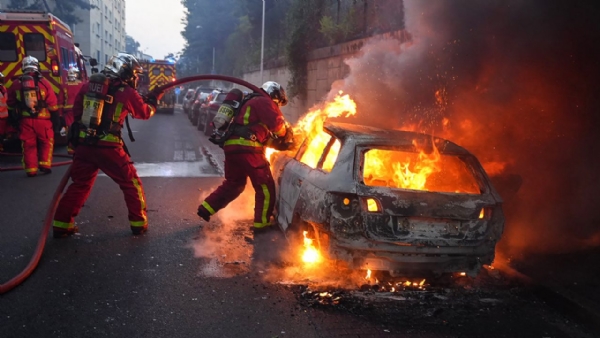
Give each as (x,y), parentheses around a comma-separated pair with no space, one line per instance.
(234,29)
(131,45)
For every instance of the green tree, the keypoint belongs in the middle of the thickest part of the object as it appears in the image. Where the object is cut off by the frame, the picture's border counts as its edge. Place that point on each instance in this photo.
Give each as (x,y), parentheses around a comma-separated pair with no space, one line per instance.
(131,45)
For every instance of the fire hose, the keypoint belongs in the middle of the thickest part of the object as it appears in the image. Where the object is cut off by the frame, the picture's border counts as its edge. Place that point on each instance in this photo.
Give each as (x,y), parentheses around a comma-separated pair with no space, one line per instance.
(15,281)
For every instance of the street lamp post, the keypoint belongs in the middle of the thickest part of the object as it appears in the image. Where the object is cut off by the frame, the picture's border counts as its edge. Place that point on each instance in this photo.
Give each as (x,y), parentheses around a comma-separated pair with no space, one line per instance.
(262,43)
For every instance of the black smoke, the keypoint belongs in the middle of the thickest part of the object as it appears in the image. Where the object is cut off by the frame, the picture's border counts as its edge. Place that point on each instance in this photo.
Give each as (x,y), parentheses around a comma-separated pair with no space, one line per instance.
(518,82)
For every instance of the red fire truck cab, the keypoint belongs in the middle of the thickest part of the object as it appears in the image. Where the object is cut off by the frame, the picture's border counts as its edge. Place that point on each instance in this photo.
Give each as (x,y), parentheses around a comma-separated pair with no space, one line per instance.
(48,39)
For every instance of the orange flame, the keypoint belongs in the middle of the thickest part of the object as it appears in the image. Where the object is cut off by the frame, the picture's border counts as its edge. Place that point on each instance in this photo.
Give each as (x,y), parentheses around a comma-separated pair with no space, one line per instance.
(311,254)
(410,172)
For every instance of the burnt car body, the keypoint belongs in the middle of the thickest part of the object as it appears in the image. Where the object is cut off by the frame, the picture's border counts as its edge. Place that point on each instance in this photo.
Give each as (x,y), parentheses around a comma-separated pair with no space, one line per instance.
(371,224)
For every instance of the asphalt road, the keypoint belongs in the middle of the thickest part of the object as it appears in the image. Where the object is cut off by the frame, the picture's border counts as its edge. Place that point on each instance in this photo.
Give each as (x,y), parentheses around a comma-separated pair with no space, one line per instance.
(187,278)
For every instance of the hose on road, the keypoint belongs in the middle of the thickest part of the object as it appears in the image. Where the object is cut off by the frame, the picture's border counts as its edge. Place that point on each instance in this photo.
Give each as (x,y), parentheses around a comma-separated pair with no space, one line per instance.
(16,168)
(18,279)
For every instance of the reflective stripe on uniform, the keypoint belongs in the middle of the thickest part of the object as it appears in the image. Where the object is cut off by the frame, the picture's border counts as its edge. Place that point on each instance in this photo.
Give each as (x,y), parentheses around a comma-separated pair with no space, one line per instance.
(118,111)
(247,116)
(138,223)
(208,207)
(49,154)
(59,224)
(110,138)
(266,202)
(243,142)
(261,225)
(140,193)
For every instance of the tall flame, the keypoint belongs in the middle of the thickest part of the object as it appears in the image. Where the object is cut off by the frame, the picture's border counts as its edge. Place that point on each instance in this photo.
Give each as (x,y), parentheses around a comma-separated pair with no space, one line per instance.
(311,254)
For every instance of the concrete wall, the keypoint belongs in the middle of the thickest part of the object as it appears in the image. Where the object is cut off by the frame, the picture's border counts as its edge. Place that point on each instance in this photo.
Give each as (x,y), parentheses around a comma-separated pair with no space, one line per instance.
(325,66)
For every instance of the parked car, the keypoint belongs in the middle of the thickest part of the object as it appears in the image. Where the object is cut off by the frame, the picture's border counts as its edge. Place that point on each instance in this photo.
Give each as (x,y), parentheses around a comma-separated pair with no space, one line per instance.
(362,195)
(195,97)
(198,101)
(186,100)
(208,110)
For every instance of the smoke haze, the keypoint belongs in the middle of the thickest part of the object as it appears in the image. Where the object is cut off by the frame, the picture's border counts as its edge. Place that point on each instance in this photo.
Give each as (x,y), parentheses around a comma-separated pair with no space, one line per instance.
(517,83)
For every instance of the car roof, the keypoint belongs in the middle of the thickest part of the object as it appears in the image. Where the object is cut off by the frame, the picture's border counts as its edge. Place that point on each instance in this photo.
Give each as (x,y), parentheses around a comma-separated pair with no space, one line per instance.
(367,135)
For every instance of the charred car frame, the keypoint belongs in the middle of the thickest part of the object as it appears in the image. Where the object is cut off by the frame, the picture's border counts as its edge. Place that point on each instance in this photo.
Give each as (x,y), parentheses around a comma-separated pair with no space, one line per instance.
(450,226)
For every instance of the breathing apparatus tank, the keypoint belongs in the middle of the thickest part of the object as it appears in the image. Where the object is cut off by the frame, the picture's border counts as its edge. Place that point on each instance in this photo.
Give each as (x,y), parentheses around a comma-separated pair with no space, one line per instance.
(224,114)
(30,93)
(93,102)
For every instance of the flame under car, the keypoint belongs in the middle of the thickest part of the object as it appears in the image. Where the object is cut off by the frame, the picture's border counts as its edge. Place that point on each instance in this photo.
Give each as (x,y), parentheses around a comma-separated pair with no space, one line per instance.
(388,200)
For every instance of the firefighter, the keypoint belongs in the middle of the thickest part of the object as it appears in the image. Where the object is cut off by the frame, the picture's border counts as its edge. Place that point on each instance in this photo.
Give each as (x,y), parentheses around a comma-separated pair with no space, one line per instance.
(3,112)
(257,120)
(99,110)
(31,101)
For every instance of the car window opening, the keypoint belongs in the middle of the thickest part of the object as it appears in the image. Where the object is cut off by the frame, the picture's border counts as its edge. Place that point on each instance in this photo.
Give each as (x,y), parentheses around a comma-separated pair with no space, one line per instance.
(410,170)
(331,155)
(314,149)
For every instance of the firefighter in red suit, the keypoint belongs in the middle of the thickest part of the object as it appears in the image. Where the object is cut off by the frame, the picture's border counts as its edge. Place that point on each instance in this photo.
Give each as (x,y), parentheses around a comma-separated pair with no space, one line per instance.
(33,103)
(3,111)
(99,110)
(258,120)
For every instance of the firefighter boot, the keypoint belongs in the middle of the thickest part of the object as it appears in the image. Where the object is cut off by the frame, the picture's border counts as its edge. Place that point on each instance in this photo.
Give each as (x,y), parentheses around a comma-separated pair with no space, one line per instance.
(263,230)
(139,230)
(202,212)
(45,170)
(64,233)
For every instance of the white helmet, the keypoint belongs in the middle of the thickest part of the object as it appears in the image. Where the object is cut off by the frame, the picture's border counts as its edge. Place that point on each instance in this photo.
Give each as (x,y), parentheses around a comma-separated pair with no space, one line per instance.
(73,74)
(30,64)
(276,92)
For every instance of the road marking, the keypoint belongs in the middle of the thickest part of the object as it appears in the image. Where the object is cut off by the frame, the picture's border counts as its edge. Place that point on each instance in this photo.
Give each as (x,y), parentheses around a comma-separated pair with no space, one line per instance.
(176,169)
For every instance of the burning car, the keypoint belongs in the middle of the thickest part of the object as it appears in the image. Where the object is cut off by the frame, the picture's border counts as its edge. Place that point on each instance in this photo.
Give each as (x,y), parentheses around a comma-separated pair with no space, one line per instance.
(388,200)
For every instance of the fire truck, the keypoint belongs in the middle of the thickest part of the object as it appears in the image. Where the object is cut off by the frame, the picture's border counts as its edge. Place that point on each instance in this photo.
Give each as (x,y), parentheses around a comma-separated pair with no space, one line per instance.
(157,73)
(48,39)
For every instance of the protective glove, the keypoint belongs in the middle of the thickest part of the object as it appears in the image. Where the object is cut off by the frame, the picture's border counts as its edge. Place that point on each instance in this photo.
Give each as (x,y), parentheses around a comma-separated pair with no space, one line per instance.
(152,98)
(63,131)
(283,143)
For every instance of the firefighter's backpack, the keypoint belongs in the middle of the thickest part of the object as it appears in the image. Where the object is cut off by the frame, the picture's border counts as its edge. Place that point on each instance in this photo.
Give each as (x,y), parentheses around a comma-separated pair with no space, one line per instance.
(223,124)
(31,99)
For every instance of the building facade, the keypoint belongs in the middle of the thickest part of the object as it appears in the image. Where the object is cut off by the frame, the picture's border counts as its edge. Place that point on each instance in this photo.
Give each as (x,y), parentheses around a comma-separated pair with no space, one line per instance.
(101,33)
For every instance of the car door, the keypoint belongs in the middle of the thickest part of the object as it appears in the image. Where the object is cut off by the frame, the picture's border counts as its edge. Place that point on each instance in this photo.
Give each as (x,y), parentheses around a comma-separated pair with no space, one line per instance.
(297,173)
